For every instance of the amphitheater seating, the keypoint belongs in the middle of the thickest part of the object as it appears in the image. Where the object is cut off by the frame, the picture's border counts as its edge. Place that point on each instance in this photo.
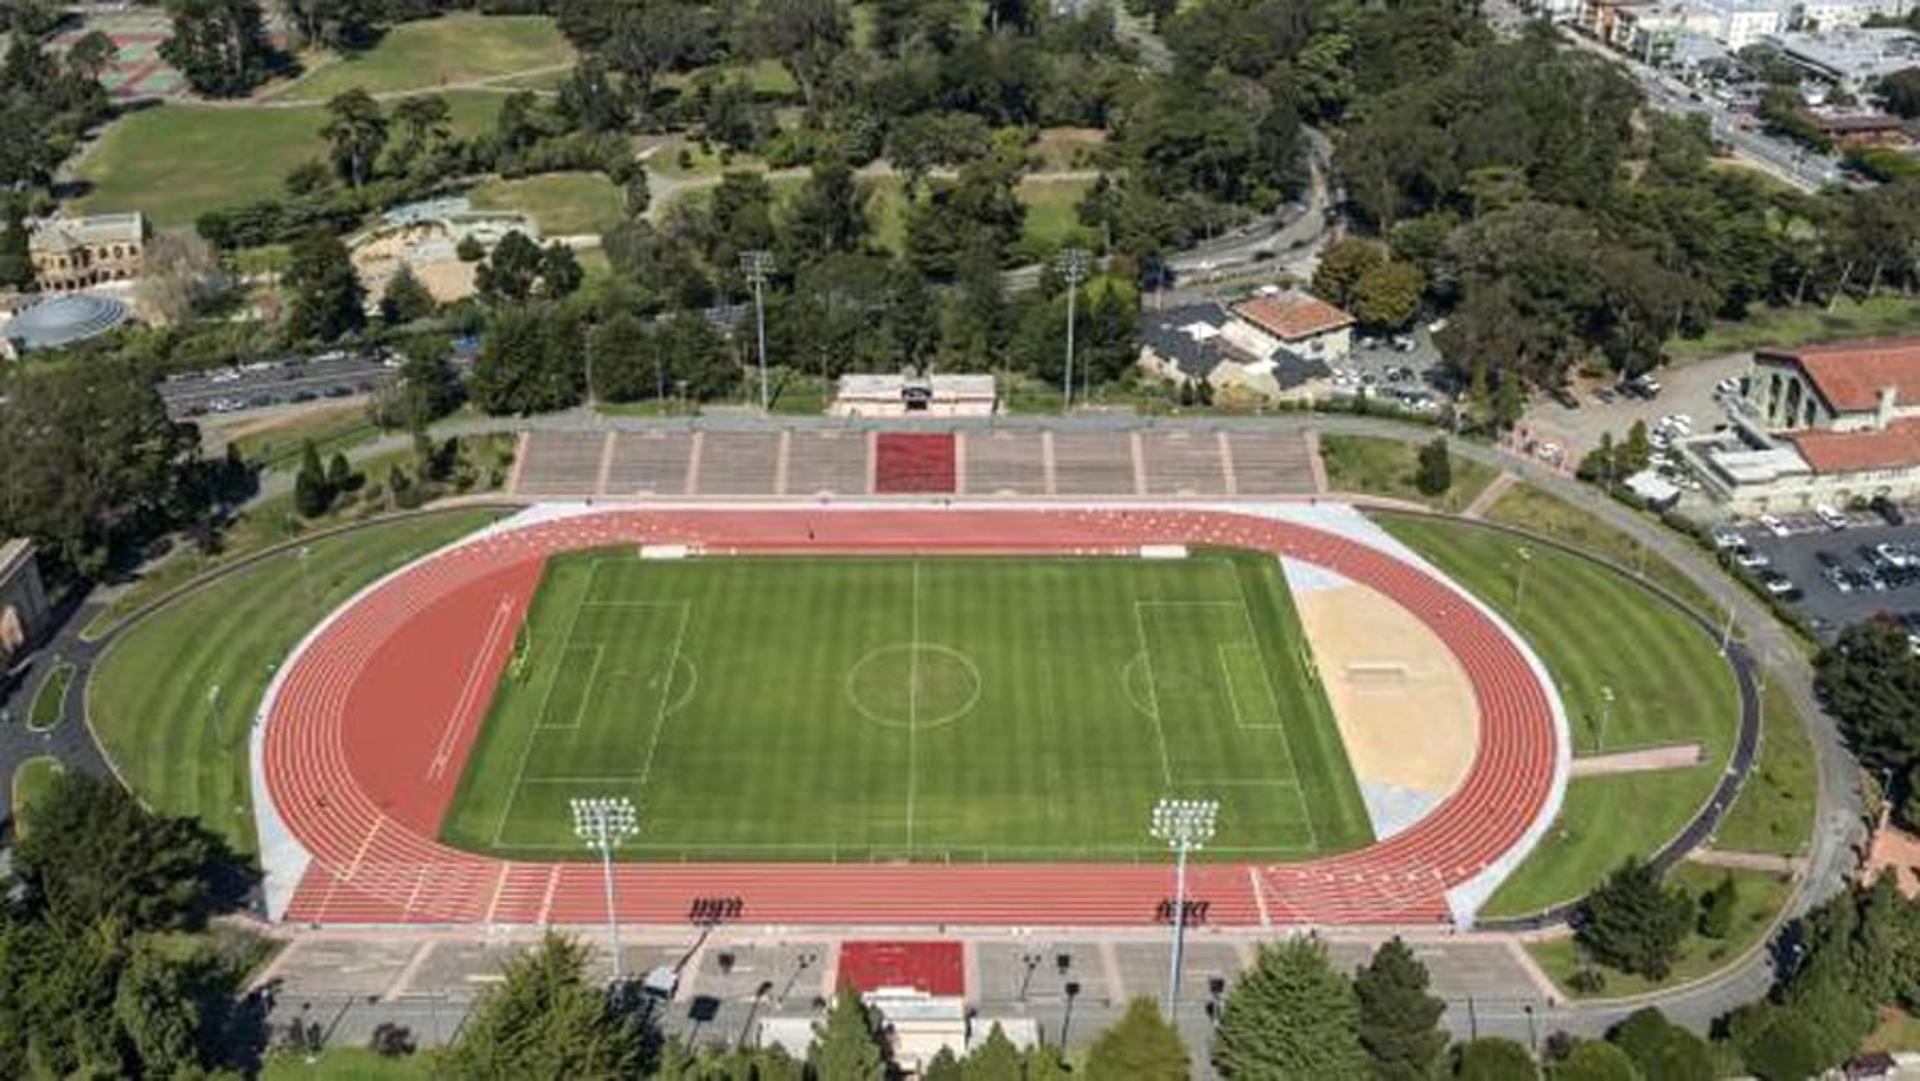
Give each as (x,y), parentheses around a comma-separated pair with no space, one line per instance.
(1004,463)
(1184,463)
(909,462)
(1094,463)
(738,463)
(833,463)
(560,464)
(1270,464)
(649,463)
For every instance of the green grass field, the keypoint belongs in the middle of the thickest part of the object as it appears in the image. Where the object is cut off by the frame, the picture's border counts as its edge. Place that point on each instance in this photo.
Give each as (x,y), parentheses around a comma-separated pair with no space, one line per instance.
(429,53)
(177,161)
(172,700)
(1876,317)
(50,702)
(1595,628)
(1774,811)
(564,204)
(1371,465)
(987,708)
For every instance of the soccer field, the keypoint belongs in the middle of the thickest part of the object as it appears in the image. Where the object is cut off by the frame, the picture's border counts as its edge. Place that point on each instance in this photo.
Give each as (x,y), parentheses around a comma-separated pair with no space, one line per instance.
(910,708)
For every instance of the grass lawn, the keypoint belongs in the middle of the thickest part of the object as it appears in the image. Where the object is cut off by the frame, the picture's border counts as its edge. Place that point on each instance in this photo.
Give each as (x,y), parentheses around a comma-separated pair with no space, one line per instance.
(564,204)
(1774,811)
(888,708)
(348,1064)
(1370,465)
(430,53)
(30,783)
(1537,511)
(1759,898)
(1880,316)
(50,703)
(173,699)
(275,445)
(1594,628)
(177,161)
(1051,215)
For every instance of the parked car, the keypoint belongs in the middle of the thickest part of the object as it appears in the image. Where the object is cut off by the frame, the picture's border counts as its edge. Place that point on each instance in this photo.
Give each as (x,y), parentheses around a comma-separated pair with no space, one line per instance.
(1750,559)
(1888,510)
(1894,555)
(1726,537)
(1776,583)
(1774,525)
(1829,517)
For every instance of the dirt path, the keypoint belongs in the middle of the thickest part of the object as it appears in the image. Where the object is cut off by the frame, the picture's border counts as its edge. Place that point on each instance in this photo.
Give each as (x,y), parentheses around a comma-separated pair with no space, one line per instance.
(1673,756)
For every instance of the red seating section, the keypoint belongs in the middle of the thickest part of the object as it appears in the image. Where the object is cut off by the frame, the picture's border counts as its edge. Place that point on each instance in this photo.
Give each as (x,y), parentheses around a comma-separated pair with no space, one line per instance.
(936,968)
(914,462)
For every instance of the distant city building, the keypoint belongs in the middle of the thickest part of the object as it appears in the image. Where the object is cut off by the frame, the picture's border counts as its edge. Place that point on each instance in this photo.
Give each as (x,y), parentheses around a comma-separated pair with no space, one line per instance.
(914,395)
(1830,424)
(23,599)
(1852,58)
(78,253)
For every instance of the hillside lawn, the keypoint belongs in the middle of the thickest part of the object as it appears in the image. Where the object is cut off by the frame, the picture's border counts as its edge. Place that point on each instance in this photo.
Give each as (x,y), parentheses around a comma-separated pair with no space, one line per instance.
(31,780)
(430,53)
(562,204)
(173,699)
(1595,628)
(1371,465)
(943,708)
(177,161)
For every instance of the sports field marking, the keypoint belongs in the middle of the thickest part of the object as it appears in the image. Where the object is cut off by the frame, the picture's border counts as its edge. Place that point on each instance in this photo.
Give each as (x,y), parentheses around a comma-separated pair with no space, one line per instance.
(1232,674)
(850,686)
(666,689)
(470,689)
(586,693)
(1153,695)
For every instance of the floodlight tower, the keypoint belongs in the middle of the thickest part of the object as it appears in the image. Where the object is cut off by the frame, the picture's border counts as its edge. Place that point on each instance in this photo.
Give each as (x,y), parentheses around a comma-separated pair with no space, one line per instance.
(603,822)
(1185,825)
(1073,267)
(758,266)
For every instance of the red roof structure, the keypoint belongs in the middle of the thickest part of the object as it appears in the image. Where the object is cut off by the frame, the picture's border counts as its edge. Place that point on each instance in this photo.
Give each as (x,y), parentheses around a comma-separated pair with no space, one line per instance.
(1850,375)
(1895,446)
(1292,316)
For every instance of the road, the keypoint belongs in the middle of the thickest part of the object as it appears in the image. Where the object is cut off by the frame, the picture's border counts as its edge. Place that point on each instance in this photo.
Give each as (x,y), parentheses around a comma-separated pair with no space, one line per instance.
(273,382)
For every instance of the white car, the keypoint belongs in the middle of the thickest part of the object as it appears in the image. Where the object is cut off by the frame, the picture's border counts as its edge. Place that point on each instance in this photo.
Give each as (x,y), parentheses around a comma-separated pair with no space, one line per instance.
(1725,538)
(1774,525)
(1894,554)
(1829,517)
(1729,385)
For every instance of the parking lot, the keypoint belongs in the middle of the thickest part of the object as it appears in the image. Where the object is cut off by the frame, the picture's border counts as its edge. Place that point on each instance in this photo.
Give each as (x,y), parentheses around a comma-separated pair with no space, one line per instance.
(1812,555)
(1403,368)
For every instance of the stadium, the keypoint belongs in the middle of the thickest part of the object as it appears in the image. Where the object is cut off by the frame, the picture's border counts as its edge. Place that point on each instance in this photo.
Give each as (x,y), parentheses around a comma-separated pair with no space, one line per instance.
(908,713)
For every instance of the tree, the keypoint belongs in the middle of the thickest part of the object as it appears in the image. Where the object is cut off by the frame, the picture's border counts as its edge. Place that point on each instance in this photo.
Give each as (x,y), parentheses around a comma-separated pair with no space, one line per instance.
(827,215)
(943,1067)
(16,260)
(805,36)
(1290,1015)
(1717,907)
(312,495)
(1342,266)
(543,1019)
(1387,295)
(1491,1058)
(425,122)
(1778,1044)
(340,475)
(531,361)
(1664,1050)
(519,270)
(1399,1021)
(328,299)
(1435,473)
(178,273)
(92,55)
(844,1045)
(1634,922)
(91,854)
(1900,92)
(357,131)
(157,1006)
(1594,1060)
(405,298)
(219,46)
(996,1059)
(1141,1046)
(1869,680)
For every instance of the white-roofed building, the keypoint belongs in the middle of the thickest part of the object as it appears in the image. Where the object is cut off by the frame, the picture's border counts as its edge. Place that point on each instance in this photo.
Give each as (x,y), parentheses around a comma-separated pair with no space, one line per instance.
(911,395)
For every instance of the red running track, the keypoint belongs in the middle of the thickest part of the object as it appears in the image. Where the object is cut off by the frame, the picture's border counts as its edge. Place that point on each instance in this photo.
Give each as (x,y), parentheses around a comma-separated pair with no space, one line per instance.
(369,731)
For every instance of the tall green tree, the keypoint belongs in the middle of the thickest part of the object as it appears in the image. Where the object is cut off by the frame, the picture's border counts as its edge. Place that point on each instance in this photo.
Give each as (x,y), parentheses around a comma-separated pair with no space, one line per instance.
(544,1020)
(425,122)
(1635,922)
(1594,1060)
(1141,1046)
(356,129)
(328,299)
(1434,474)
(1662,1049)
(1491,1058)
(846,1046)
(219,46)
(1869,680)
(1399,1021)
(807,37)
(405,298)
(1291,1015)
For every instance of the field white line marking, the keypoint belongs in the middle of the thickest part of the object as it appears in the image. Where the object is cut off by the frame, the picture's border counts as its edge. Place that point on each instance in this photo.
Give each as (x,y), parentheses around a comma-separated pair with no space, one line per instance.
(533,730)
(580,707)
(913,704)
(1286,730)
(666,692)
(1259,897)
(470,689)
(1233,693)
(1153,693)
(847,853)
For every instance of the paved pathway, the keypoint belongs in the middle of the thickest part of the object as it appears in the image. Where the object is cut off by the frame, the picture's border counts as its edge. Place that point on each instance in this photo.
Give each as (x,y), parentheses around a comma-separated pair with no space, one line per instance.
(1490,495)
(1746,861)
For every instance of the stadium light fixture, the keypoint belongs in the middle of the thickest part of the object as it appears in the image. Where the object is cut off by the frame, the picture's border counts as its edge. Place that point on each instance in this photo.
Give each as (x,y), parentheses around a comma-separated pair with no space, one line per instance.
(1185,825)
(1073,267)
(758,266)
(603,822)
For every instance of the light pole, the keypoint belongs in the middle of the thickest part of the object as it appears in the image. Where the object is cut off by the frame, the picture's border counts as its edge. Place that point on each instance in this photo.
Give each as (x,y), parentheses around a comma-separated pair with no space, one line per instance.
(1185,825)
(1525,555)
(758,267)
(1606,714)
(1073,267)
(603,822)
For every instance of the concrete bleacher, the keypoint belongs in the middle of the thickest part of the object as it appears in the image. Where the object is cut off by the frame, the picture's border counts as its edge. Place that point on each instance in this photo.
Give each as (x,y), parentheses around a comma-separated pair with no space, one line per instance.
(649,463)
(560,464)
(1002,463)
(833,463)
(1270,464)
(738,463)
(1094,463)
(1184,463)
